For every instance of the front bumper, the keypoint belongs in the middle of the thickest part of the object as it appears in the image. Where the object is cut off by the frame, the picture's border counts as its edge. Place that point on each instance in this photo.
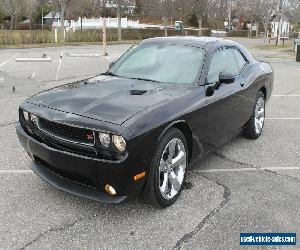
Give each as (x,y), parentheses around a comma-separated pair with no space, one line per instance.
(82,175)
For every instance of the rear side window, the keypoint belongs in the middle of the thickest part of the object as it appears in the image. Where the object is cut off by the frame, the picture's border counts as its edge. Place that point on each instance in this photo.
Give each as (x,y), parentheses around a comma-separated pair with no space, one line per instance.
(241,61)
(223,60)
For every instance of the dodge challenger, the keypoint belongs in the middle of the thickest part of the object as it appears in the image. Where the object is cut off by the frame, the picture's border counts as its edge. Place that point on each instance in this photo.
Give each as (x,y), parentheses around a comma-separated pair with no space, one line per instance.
(136,129)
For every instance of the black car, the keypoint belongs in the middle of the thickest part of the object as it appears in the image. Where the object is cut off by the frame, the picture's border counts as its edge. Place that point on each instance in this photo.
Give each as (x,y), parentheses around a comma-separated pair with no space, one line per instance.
(136,128)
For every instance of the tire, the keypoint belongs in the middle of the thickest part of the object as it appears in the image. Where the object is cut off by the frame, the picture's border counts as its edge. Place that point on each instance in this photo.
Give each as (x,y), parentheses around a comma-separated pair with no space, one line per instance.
(164,182)
(254,126)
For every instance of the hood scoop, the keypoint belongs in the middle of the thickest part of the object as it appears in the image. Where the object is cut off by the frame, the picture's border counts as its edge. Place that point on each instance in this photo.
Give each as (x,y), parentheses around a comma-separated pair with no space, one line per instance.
(137,92)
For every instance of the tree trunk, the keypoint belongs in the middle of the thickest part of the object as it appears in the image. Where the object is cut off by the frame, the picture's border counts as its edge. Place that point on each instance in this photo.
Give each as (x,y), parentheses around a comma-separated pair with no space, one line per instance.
(257,28)
(166,25)
(12,22)
(62,20)
(200,26)
(265,31)
(16,22)
(119,21)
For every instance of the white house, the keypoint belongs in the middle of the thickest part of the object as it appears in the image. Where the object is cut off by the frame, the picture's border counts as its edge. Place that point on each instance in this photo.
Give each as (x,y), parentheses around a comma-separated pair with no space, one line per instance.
(282,26)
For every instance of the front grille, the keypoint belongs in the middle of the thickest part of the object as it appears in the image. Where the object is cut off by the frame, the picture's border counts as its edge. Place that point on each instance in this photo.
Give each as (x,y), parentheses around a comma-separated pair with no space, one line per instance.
(66,132)
(67,175)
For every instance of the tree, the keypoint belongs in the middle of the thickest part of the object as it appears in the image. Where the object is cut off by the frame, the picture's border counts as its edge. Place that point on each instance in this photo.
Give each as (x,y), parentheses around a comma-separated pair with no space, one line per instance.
(200,8)
(62,5)
(13,9)
(30,7)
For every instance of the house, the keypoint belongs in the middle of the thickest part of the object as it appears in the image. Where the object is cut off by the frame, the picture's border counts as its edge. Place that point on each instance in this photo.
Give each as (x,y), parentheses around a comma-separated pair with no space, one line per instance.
(55,17)
(283,26)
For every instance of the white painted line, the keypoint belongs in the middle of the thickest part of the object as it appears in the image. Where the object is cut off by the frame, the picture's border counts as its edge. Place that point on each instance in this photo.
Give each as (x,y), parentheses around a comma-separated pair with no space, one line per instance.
(82,55)
(48,59)
(288,118)
(33,75)
(243,169)
(285,95)
(16,171)
(5,62)
(59,66)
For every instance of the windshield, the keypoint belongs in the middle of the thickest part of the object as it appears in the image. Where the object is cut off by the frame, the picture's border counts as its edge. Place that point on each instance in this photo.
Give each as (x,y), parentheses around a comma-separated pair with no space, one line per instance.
(167,63)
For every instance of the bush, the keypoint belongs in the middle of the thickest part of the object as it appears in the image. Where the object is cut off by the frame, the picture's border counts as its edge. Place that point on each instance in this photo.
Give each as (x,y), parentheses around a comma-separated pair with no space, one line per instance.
(25,37)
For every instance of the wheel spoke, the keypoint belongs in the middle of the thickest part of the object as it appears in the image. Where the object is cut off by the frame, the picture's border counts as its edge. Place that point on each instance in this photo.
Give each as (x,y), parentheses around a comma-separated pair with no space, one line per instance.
(261,113)
(174,181)
(164,186)
(178,160)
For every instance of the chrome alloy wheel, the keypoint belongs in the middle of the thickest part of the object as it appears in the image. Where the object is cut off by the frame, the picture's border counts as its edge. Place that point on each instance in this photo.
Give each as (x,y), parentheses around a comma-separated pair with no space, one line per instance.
(172,168)
(259,115)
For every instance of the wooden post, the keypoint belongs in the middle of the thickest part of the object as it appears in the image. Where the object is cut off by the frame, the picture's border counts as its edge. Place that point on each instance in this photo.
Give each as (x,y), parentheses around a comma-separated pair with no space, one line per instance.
(104,36)
(55,35)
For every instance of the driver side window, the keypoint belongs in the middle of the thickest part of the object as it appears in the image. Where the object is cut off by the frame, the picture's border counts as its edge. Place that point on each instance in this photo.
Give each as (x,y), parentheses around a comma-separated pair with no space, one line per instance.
(223,60)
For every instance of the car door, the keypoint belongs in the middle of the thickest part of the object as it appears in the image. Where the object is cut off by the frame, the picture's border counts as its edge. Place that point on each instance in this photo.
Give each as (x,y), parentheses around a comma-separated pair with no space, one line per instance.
(224,110)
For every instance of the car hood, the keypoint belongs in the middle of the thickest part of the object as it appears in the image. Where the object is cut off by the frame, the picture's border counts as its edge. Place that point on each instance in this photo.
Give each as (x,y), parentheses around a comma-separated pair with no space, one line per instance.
(107,98)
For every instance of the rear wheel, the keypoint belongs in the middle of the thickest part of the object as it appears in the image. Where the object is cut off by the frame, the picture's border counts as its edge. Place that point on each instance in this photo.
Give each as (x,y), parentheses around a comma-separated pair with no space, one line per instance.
(168,170)
(255,125)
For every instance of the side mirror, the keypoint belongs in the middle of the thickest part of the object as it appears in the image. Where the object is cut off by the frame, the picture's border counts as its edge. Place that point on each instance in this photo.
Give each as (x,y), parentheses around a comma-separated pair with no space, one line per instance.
(226,78)
(111,64)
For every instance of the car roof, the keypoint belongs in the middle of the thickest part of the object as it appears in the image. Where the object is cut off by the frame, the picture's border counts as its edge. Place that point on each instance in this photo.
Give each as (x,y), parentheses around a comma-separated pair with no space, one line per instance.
(209,43)
(190,40)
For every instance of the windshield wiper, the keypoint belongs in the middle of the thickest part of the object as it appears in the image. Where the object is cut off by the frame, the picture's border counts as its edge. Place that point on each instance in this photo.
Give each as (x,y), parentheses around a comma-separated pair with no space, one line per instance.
(144,79)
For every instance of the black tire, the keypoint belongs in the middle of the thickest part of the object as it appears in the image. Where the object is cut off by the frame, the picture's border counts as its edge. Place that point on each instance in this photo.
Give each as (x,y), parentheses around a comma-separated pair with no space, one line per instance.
(250,131)
(151,193)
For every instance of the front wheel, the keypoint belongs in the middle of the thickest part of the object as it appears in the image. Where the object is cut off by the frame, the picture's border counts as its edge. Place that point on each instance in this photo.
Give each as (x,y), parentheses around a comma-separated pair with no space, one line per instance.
(255,125)
(168,170)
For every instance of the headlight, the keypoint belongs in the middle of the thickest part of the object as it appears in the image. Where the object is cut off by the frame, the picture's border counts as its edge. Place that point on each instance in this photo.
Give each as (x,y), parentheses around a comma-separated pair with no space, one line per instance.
(26,116)
(104,139)
(34,119)
(119,142)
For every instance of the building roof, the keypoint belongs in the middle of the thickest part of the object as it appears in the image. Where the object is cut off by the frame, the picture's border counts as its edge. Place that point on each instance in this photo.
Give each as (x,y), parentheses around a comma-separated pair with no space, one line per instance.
(49,15)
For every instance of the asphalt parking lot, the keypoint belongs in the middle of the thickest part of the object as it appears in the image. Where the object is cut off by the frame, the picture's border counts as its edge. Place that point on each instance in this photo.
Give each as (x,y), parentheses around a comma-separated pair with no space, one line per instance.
(246,186)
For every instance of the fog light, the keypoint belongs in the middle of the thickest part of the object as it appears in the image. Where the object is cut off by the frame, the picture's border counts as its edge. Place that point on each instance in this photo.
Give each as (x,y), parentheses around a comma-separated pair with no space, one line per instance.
(110,190)
(139,176)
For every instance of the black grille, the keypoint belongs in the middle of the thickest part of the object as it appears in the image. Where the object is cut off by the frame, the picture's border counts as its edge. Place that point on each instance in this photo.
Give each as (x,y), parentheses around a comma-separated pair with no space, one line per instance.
(66,132)
(70,176)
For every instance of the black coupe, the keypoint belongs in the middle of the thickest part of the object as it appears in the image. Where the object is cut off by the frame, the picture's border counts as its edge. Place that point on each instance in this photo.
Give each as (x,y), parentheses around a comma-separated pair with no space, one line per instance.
(136,128)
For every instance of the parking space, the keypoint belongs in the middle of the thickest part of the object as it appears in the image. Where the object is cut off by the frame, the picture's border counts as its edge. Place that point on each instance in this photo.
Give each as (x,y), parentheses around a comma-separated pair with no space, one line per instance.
(245,186)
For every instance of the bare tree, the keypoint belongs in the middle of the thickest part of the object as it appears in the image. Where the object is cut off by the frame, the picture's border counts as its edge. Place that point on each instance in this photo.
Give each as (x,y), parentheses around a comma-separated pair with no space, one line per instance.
(13,9)
(200,8)
(29,10)
(62,5)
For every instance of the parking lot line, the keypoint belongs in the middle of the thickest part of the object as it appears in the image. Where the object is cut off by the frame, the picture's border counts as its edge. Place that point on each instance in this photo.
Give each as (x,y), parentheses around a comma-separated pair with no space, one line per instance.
(280,118)
(5,62)
(59,65)
(242,169)
(16,171)
(285,95)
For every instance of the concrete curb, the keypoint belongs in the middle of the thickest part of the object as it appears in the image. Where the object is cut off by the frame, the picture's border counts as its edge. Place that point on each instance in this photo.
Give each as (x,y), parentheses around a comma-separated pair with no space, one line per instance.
(48,59)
